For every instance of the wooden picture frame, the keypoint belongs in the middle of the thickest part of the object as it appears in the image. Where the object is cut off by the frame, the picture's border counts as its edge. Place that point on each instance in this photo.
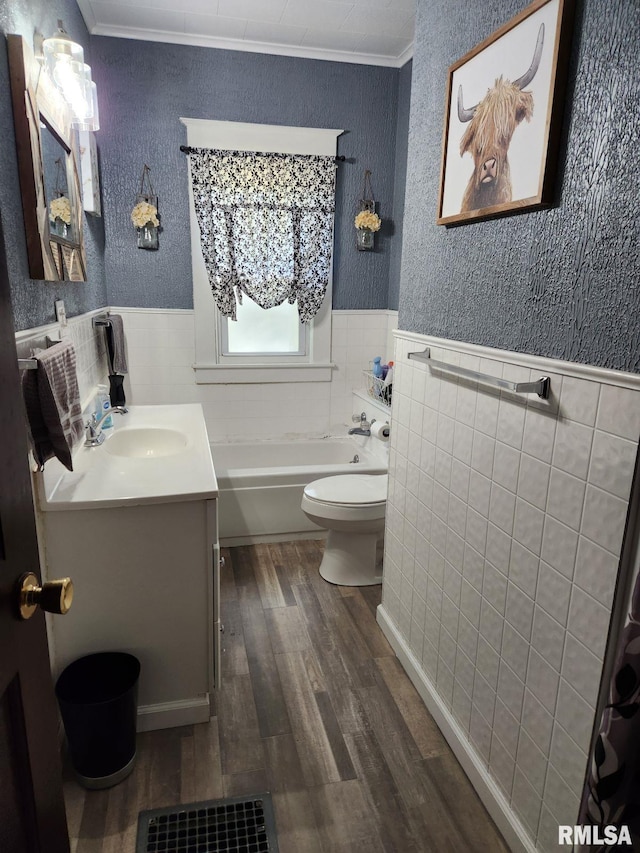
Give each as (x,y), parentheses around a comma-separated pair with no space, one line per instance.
(42,121)
(503,117)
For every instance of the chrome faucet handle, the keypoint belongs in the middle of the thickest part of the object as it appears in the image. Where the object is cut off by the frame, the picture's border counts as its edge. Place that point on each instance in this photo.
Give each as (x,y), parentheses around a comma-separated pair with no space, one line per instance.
(93,438)
(91,425)
(361,419)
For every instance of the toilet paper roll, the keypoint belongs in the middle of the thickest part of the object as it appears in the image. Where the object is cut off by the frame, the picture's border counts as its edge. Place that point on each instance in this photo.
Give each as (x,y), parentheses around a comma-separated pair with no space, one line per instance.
(380,430)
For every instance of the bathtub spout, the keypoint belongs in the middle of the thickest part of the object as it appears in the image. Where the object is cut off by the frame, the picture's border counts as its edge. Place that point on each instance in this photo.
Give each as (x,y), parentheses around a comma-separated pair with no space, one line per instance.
(359,431)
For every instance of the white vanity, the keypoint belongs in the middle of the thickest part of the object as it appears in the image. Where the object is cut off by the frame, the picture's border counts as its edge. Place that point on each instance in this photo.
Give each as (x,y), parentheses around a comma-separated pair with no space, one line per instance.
(135,527)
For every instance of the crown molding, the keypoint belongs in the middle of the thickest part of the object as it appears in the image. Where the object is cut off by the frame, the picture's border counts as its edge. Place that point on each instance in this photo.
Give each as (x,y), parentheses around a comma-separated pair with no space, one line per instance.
(194,40)
(405,56)
(86,10)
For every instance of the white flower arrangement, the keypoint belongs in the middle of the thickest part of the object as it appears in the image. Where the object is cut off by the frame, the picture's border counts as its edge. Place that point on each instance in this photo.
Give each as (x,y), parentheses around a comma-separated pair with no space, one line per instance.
(367,220)
(60,208)
(144,213)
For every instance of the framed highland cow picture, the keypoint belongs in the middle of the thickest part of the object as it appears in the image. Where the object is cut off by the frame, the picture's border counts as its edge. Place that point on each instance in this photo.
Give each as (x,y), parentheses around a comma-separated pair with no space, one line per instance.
(503,117)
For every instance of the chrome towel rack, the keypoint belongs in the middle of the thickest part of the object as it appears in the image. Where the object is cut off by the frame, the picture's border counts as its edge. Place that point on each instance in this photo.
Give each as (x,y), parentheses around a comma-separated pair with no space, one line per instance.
(104,320)
(27,364)
(541,387)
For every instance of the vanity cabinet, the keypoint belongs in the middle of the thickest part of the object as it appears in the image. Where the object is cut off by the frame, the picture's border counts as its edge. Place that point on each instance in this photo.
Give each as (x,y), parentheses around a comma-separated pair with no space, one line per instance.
(135,526)
(146,581)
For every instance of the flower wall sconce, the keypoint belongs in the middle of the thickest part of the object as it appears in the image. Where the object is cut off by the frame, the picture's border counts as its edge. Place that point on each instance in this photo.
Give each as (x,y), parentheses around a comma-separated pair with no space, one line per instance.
(145,213)
(367,221)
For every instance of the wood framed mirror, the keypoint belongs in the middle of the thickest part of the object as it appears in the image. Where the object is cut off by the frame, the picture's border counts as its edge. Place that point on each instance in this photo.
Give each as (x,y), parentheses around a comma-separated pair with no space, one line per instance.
(47,149)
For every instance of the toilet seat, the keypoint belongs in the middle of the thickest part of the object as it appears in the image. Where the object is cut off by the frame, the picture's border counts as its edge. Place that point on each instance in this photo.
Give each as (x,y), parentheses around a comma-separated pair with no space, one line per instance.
(349,490)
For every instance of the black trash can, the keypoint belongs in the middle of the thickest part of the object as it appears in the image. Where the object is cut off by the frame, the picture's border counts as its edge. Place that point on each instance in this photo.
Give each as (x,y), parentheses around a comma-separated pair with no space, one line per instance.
(98,697)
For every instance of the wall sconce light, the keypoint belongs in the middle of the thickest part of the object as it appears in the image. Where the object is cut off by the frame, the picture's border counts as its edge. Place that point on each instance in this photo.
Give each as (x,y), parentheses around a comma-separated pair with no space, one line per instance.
(145,213)
(65,65)
(91,119)
(367,221)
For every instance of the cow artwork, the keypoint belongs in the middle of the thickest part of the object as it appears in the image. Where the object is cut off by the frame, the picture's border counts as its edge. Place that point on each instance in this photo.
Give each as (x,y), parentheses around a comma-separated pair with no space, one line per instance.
(492,123)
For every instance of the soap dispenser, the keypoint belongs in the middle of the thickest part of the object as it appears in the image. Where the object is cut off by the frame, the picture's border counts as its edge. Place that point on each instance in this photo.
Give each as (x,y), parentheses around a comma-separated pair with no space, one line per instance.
(102,404)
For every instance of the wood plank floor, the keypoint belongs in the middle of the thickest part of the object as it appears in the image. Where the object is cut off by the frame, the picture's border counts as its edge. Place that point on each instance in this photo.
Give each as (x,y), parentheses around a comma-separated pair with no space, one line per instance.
(315,708)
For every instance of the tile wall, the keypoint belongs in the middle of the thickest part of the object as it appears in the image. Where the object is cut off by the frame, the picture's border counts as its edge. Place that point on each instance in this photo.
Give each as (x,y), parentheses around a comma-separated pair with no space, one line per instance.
(161,352)
(505,523)
(89,346)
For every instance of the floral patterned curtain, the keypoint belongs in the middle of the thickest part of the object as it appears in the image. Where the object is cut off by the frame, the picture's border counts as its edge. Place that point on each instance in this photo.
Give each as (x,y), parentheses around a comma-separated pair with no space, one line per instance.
(266,226)
(611,794)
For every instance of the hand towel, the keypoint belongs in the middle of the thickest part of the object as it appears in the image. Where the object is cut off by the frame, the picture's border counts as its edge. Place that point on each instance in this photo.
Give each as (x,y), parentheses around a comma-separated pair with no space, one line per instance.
(116,390)
(116,344)
(52,402)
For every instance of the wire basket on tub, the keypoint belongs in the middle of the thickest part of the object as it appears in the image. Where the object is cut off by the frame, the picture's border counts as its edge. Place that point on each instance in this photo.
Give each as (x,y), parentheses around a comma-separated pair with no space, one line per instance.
(377,389)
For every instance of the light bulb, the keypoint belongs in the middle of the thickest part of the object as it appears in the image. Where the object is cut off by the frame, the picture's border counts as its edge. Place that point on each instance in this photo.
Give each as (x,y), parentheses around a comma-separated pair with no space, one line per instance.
(60,48)
(92,122)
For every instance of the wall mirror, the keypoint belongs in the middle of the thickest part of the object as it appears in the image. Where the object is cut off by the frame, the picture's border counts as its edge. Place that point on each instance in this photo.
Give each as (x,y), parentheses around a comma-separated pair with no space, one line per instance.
(48,168)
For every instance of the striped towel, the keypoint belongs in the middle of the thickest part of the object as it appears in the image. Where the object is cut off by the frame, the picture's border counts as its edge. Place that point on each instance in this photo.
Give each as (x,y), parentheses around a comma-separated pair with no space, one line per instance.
(52,401)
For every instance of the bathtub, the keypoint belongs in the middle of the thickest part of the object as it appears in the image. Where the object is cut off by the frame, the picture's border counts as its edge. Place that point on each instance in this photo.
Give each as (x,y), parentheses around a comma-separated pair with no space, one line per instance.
(261,483)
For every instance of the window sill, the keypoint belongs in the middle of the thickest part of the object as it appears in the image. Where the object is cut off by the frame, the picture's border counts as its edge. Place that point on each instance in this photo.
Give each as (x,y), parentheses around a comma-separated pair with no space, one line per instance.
(237,374)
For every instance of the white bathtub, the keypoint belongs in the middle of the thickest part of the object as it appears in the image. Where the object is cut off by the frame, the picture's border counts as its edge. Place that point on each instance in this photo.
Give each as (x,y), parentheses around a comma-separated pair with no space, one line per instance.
(261,484)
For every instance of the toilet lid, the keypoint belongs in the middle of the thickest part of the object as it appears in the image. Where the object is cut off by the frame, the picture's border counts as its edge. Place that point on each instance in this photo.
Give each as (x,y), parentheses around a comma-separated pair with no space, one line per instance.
(349,489)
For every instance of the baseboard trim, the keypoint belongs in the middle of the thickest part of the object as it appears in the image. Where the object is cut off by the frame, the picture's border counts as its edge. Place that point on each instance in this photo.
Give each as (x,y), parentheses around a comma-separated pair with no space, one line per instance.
(494,800)
(168,715)
(234,541)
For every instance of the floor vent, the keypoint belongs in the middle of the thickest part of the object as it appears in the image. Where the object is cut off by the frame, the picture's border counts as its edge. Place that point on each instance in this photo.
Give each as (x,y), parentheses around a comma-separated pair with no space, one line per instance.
(234,825)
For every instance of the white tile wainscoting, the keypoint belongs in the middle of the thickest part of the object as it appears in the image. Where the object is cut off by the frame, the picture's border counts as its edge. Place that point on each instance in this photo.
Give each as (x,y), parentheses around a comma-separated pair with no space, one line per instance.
(161,353)
(89,344)
(505,524)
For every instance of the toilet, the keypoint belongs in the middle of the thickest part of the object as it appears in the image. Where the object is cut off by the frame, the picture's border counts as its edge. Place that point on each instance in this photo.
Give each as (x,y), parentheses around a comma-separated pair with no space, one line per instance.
(352,508)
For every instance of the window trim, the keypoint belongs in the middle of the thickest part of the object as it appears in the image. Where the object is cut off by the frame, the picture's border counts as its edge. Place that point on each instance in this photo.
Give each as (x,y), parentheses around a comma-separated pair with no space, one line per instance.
(209,367)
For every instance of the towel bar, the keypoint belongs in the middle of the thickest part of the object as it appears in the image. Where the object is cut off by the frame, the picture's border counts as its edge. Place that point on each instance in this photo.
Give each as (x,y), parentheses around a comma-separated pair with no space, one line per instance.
(101,321)
(27,364)
(541,387)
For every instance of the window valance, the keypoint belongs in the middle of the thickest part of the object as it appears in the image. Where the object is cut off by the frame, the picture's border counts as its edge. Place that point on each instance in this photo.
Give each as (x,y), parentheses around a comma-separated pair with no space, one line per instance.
(266,226)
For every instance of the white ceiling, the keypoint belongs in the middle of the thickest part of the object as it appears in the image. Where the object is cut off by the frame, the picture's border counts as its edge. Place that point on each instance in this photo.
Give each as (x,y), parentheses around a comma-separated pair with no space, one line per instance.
(375,32)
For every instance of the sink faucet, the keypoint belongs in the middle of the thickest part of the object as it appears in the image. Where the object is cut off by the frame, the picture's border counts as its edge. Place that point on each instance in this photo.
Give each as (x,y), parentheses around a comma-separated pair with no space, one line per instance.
(94,436)
(365,426)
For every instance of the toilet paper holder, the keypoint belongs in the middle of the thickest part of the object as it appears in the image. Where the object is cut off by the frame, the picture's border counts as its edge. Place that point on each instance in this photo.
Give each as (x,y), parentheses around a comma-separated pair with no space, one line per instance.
(380,430)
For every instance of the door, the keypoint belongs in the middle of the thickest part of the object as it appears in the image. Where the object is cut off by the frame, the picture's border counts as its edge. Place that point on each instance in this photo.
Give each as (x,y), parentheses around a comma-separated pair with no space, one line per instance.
(32,816)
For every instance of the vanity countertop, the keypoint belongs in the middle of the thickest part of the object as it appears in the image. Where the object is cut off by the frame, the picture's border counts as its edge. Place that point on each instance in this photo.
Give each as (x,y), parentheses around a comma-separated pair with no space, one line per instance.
(176,466)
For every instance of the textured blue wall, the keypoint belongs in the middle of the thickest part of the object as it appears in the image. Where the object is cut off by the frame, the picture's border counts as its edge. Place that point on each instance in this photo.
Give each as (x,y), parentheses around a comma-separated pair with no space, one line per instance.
(402,139)
(562,282)
(145,87)
(33,300)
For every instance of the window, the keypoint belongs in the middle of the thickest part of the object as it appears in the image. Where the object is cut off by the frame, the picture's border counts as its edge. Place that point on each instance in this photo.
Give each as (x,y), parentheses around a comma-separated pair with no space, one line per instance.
(276,332)
(261,345)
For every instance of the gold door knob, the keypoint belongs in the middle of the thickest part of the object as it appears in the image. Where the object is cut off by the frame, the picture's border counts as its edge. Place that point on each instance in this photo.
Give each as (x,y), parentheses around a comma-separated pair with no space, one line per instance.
(53,596)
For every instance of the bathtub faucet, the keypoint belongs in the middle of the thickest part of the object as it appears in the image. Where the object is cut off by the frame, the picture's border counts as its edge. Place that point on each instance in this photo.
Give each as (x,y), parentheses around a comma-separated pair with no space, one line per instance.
(94,436)
(365,426)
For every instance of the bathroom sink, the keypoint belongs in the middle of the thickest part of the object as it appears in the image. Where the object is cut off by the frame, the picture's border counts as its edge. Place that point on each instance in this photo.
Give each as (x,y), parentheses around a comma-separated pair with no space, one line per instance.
(146,443)
(153,454)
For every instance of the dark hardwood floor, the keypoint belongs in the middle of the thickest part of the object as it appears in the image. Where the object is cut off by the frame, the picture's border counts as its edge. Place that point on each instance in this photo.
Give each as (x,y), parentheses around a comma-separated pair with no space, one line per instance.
(315,708)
